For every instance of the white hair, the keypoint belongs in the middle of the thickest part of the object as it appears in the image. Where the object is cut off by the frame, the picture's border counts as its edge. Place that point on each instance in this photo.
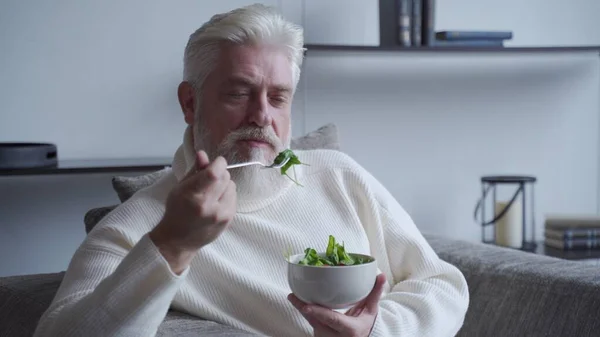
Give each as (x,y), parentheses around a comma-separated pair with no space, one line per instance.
(253,24)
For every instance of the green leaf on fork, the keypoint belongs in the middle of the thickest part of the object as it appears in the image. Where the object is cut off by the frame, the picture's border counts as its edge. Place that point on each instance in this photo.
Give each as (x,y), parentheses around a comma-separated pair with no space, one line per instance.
(293,160)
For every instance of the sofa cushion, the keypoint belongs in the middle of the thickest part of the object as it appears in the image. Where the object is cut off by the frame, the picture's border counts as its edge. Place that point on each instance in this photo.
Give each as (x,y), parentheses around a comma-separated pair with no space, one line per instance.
(94,215)
(127,186)
(325,137)
(184,325)
(515,293)
(24,299)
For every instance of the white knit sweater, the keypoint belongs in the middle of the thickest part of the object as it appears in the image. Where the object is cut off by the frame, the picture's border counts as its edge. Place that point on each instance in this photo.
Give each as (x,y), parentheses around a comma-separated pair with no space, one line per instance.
(118,284)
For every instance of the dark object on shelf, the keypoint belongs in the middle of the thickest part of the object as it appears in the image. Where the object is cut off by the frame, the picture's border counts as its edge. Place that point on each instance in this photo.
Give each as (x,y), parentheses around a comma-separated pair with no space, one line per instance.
(27,155)
(416,23)
(428,23)
(469,43)
(405,17)
(388,23)
(466,35)
(95,166)
(490,183)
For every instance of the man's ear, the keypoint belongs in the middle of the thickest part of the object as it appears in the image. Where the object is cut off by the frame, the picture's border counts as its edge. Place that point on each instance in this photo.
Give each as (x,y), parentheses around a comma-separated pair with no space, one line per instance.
(187,101)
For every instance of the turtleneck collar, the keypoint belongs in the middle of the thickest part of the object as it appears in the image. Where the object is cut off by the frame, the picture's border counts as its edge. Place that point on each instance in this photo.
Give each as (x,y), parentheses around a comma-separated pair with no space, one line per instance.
(184,161)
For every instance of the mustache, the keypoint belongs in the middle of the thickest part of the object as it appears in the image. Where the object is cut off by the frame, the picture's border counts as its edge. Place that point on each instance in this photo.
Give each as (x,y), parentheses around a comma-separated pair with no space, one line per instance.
(266,135)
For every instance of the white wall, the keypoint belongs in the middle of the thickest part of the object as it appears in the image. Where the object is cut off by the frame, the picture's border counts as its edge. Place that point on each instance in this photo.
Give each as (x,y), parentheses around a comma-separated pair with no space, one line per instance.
(429,127)
(107,89)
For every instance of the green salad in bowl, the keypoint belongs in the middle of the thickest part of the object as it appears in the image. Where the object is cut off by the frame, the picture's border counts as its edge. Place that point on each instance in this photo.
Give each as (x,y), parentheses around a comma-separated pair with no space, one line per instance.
(335,255)
(334,278)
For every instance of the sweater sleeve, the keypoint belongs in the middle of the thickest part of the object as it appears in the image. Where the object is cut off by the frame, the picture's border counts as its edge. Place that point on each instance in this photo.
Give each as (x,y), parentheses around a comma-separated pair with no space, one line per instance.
(427,296)
(111,291)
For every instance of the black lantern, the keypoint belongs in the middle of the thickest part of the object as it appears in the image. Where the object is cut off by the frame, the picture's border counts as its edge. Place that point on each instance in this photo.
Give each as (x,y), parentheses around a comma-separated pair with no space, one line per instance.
(509,224)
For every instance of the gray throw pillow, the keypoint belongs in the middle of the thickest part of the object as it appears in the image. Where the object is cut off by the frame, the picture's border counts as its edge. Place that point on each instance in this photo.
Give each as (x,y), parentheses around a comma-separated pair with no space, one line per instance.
(128,186)
(325,137)
(94,215)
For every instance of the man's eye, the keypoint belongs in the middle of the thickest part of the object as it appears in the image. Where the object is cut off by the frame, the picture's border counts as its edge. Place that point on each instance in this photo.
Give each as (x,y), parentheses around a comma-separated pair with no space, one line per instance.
(237,94)
(279,99)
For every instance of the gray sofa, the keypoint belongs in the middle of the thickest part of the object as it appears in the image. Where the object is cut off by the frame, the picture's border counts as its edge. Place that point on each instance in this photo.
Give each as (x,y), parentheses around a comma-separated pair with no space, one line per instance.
(513,293)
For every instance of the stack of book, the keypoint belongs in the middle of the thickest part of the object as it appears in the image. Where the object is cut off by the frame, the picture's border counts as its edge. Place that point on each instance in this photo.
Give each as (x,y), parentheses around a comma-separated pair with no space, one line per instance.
(415,22)
(416,28)
(465,38)
(570,233)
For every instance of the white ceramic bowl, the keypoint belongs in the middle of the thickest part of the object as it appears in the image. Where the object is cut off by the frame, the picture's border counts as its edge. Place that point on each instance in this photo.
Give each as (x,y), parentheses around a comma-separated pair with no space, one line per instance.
(334,287)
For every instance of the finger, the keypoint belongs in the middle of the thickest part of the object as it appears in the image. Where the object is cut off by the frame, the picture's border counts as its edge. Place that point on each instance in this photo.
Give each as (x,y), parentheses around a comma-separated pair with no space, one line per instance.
(336,321)
(356,310)
(296,302)
(372,300)
(320,328)
(216,169)
(227,204)
(213,179)
(229,197)
(217,173)
(299,305)
(201,161)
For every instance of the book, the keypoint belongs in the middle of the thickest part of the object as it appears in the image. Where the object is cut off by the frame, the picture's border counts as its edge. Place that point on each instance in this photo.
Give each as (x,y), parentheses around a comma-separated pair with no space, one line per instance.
(570,233)
(573,244)
(460,35)
(570,254)
(428,23)
(571,221)
(470,43)
(416,22)
(404,11)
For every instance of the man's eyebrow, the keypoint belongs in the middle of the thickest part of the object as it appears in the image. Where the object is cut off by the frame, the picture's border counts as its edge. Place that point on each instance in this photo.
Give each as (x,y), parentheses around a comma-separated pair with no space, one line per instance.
(238,80)
(244,81)
(282,88)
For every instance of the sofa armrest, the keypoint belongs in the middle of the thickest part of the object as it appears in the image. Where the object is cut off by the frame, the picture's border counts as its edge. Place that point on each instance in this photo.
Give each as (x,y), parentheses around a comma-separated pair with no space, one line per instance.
(23,300)
(516,293)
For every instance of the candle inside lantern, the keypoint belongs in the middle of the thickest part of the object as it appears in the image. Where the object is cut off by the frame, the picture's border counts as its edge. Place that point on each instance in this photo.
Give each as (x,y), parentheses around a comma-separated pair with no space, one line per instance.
(509,228)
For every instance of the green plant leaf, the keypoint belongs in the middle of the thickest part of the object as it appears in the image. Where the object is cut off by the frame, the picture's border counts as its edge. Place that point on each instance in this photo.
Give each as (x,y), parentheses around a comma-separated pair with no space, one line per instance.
(335,255)
(293,160)
(330,246)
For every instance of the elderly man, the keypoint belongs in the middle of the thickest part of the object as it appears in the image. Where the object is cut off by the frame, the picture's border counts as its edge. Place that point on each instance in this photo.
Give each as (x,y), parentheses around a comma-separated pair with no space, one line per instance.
(208,240)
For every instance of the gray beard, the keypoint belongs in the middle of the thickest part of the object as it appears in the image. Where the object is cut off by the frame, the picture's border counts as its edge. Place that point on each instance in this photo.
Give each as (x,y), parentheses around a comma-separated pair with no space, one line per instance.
(253,182)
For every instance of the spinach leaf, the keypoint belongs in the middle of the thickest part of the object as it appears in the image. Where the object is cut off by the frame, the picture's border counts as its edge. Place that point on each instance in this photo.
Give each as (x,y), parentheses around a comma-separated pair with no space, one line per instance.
(293,160)
(310,257)
(335,255)
(344,258)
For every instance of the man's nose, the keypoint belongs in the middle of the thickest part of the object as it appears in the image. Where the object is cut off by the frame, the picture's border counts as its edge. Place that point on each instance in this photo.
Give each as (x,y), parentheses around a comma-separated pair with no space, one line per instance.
(259,112)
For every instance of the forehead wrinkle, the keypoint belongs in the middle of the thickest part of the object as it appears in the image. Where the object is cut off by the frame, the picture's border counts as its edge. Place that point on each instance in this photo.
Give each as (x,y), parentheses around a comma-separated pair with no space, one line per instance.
(244,80)
(241,80)
(253,70)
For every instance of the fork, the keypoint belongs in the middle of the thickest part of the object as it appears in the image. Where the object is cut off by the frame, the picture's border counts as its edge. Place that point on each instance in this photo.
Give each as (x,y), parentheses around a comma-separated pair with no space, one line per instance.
(280,165)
